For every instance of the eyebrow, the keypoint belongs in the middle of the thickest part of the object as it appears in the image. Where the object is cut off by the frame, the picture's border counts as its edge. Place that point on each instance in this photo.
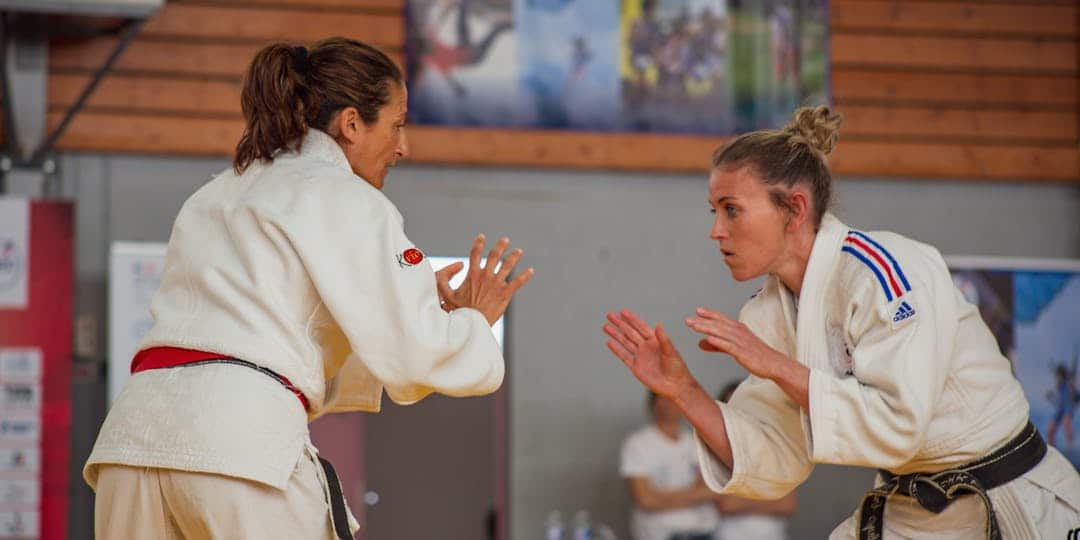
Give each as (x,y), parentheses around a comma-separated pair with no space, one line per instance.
(724,198)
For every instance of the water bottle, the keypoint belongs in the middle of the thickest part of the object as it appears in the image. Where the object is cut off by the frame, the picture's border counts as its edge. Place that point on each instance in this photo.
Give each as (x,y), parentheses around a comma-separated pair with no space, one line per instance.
(582,527)
(553,529)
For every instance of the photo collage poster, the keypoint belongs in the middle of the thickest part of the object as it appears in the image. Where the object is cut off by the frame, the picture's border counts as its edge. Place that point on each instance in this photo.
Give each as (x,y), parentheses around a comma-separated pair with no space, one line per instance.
(671,66)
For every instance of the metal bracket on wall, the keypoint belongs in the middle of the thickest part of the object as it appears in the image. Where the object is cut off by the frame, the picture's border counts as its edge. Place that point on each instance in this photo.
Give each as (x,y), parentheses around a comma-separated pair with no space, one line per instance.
(19,27)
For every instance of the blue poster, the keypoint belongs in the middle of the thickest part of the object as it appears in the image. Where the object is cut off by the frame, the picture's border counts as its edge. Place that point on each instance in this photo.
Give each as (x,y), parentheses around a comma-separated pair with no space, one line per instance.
(1035,315)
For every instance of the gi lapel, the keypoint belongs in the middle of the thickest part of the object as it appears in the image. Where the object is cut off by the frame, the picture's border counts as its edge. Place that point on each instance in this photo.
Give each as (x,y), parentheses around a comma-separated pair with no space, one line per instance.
(812,330)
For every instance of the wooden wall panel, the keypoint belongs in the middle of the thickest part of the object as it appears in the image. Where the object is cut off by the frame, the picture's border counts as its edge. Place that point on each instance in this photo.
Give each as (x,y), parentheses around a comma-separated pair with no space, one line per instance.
(954,18)
(329,5)
(169,57)
(972,90)
(957,125)
(229,23)
(143,94)
(929,88)
(176,57)
(631,152)
(932,53)
(150,133)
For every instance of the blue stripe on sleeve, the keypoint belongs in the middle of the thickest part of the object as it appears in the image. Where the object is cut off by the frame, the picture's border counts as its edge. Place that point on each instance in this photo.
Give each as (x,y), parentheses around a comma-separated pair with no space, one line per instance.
(877,271)
(889,256)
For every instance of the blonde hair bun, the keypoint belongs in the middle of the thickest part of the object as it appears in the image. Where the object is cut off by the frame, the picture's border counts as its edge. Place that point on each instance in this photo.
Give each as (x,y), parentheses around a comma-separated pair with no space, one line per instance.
(818,127)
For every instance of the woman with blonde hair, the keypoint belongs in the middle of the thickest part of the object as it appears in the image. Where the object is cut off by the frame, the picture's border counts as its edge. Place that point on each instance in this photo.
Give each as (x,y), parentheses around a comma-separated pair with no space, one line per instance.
(861,352)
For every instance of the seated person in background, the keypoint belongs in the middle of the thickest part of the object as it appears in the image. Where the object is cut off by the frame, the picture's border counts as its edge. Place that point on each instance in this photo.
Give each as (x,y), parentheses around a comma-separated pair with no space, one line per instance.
(659,462)
(748,519)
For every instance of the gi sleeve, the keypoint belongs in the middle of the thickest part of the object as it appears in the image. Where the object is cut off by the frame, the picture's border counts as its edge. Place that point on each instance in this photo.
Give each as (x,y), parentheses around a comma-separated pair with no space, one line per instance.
(765,427)
(901,353)
(380,290)
(768,444)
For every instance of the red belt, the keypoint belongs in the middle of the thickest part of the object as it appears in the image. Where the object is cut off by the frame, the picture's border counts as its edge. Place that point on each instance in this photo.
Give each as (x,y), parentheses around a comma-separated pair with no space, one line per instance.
(167,357)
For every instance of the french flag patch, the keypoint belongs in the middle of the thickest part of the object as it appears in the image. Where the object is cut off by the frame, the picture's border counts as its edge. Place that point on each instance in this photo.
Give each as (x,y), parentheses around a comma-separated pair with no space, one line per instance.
(892,279)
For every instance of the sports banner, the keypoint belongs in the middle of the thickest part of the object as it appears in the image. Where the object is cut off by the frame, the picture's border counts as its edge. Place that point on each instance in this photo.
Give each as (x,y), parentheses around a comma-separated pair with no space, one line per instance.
(36,280)
(1032,307)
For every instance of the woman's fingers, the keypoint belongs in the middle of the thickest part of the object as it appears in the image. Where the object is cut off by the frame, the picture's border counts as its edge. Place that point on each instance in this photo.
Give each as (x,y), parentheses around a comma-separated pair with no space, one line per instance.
(621,353)
(703,326)
(617,335)
(520,280)
(706,346)
(723,326)
(632,333)
(445,274)
(625,329)
(720,345)
(666,347)
(509,263)
(496,254)
(707,313)
(474,254)
(637,324)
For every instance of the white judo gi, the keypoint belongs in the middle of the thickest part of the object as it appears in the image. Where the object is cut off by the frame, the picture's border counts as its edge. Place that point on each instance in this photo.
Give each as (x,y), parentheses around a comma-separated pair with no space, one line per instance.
(303,268)
(904,377)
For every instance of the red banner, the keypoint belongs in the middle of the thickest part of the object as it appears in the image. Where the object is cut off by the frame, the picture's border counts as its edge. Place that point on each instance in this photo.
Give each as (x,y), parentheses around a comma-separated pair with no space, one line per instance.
(36,278)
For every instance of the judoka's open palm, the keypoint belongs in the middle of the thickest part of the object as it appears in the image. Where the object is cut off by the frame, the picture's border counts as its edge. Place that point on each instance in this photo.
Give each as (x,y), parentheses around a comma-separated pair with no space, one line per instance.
(488,286)
(721,333)
(648,353)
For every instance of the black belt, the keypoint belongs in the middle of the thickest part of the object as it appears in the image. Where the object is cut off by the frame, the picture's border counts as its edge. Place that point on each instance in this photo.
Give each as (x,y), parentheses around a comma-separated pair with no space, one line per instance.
(337,502)
(936,491)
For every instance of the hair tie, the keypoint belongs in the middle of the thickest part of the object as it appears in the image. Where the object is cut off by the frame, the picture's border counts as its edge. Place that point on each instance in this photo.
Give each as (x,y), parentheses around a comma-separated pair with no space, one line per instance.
(300,60)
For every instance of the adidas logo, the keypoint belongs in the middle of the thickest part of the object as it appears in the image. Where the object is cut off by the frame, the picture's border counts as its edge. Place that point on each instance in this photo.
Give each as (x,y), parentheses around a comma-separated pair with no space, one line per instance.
(904,312)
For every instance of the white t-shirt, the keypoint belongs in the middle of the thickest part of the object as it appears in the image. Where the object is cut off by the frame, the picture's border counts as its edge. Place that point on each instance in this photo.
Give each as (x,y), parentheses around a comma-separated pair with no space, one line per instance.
(753,527)
(669,465)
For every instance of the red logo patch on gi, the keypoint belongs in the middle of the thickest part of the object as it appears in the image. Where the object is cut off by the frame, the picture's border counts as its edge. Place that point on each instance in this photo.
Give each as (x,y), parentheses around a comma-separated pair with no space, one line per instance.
(410,257)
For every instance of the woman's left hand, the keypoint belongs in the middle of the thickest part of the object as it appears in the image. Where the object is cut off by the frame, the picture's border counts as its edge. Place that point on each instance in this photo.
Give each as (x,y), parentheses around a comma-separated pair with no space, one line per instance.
(726,335)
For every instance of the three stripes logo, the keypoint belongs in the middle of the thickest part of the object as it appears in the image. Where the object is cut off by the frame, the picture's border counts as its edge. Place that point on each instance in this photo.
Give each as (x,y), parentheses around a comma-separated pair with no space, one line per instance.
(1073,534)
(905,312)
(878,259)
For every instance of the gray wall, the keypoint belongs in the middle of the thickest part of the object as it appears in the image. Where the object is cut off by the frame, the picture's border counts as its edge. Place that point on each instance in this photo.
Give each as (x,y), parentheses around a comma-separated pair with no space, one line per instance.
(599,241)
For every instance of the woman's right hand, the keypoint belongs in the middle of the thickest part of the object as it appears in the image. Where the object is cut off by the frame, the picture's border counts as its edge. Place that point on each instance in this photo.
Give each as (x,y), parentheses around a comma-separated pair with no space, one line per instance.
(649,354)
(484,289)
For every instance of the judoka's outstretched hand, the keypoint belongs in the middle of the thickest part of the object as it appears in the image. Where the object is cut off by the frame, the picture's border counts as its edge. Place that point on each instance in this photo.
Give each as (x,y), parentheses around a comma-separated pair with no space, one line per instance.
(723,334)
(487,288)
(648,353)
(726,335)
(652,358)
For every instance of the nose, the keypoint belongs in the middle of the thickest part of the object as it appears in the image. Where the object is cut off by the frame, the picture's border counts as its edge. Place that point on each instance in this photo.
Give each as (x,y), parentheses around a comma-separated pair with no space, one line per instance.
(718,230)
(403,145)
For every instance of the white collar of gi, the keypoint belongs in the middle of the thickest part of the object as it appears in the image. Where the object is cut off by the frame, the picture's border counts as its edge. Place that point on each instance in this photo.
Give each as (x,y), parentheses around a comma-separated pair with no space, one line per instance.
(811,316)
(321,146)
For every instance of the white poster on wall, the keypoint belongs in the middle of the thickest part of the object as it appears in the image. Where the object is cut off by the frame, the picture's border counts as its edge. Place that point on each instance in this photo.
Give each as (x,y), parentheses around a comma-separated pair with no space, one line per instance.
(19,525)
(14,252)
(134,276)
(20,459)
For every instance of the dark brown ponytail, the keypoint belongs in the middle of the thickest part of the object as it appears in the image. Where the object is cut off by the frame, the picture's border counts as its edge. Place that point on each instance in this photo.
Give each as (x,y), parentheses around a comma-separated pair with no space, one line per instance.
(288,89)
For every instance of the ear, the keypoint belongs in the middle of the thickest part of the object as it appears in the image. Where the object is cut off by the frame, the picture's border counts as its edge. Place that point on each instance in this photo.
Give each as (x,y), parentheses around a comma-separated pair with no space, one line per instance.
(349,125)
(799,206)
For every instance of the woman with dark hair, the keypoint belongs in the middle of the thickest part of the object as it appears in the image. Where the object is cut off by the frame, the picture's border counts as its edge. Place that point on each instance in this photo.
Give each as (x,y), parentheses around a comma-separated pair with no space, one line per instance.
(289,291)
(861,352)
